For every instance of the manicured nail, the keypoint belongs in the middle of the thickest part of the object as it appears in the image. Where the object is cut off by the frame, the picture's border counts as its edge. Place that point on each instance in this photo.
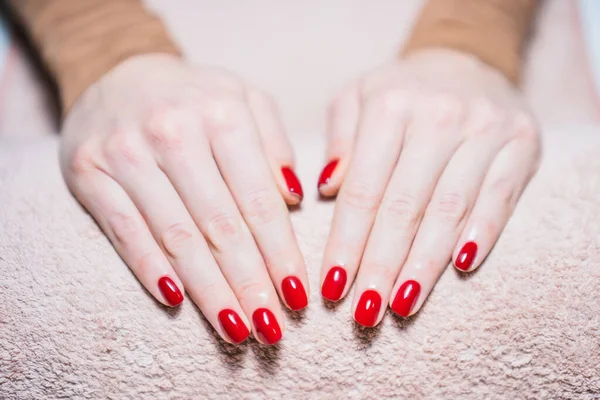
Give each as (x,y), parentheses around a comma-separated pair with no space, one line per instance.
(466,255)
(294,293)
(368,308)
(406,298)
(327,172)
(292,181)
(267,328)
(334,284)
(233,326)
(170,291)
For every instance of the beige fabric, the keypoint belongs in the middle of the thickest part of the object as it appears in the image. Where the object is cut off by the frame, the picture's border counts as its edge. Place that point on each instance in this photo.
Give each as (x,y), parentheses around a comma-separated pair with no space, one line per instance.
(81,40)
(493,30)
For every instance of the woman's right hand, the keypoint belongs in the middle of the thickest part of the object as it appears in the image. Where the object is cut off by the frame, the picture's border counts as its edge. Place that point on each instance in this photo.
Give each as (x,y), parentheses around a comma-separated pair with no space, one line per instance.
(188,172)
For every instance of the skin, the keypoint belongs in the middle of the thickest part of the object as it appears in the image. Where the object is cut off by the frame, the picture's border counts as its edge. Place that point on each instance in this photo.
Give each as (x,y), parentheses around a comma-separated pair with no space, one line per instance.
(181,168)
(434,151)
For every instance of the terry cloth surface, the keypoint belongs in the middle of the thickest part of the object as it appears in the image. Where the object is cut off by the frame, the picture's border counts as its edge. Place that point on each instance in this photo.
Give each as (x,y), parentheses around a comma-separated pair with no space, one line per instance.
(75,323)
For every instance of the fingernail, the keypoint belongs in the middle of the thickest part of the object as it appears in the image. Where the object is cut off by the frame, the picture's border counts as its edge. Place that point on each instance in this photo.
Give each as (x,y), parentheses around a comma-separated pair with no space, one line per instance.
(170,291)
(267,328)
(334,284)
(294,293)
(466,255)
(292,181)
(233,326)
(327,172)
(406,298)
(368,308)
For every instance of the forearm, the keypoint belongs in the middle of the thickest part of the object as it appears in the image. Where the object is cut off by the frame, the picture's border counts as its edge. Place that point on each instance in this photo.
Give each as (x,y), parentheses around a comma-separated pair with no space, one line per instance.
(79,41)
(495,31)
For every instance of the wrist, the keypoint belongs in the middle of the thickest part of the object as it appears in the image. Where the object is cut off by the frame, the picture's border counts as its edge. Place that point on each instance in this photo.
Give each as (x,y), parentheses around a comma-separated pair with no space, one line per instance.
(494,31)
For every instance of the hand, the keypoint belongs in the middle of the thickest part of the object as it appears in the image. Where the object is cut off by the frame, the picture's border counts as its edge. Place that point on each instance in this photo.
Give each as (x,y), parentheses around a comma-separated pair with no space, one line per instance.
(430,155)
(188,171)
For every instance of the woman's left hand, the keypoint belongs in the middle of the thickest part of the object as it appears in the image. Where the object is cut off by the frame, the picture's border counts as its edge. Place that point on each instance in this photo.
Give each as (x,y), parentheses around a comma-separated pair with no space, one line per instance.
(430,155)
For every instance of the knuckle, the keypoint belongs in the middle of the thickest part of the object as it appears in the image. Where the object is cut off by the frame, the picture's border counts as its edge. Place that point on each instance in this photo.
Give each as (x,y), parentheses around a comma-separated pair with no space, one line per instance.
(177,238)
(504,191)
(382,268)
(264,206)
(486,117)
(444,109)
(125,228)
(207,288)
(360,195)
(82,160)
(451,207)
(248,288)
(146,262)
(390,101)
(223,231)
(526,127)
(222,112)
(123,147)
(403,208)
(165,128)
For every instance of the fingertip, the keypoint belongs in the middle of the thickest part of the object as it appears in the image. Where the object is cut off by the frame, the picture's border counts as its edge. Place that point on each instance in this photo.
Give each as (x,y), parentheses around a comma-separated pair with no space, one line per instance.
(325,183)
(294,194)
(404,303)
(171,293)
(465,259)
(234,328)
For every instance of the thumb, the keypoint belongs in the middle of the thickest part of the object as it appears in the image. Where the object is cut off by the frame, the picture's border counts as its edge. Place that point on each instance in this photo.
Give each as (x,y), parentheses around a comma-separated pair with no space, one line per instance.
(341,131)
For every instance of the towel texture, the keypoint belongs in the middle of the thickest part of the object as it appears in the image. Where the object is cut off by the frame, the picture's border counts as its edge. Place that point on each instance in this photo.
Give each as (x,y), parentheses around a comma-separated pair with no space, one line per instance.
(75,323)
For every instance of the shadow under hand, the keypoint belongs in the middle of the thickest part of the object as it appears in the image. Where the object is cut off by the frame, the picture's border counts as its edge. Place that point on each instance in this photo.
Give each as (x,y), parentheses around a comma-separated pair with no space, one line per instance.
(229,354)
(403,323)
(267,356)
(296,318)
(366,336)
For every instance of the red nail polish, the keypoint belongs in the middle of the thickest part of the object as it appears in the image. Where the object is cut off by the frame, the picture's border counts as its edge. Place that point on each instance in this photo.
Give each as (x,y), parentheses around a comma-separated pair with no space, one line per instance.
(267,328)
(334,284)
(294,293)
(233,326)
(170,291)
(292,181)
(466,255)
(327,172)
(368,308)
(406,297)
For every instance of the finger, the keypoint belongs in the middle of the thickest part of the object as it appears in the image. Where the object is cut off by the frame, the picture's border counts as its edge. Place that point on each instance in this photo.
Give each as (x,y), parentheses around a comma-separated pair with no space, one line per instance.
(368,174)
(123,224)
(444,218)
(235,143)
(508,176)
(194,174)
(276,146)
(342,126)
(407,195)
(177,235)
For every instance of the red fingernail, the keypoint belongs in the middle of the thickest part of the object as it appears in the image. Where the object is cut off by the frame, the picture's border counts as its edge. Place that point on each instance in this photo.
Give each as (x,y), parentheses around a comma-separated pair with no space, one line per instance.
(334,284)
(267,328)
(327,172)
(233,326)
(368,308)
(170,291)
(466,255)
(292,181)
(406,297)
(294,293)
